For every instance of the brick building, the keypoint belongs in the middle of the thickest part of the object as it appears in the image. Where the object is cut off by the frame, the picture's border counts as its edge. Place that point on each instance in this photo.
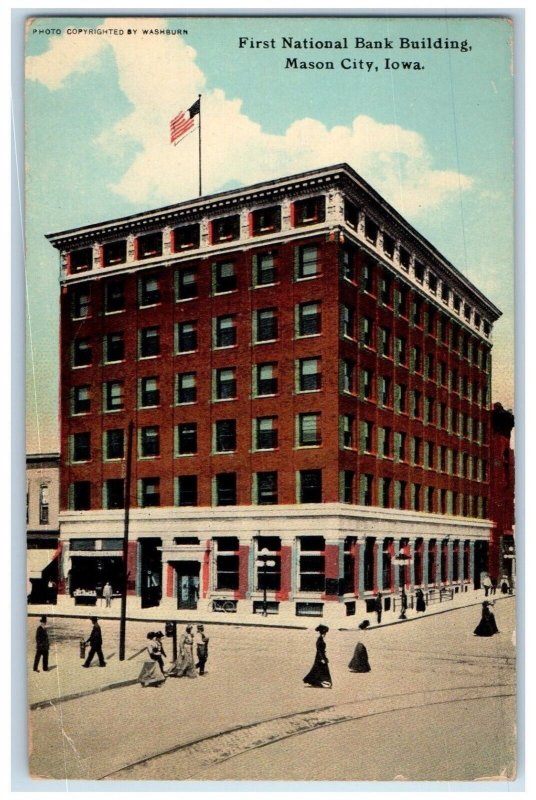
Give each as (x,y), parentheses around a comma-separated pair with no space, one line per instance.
(42,525)
(307,376)
(502,483)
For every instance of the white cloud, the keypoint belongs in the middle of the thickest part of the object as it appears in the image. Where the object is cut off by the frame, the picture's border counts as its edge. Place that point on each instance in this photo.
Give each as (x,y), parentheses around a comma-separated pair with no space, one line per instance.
(160,76)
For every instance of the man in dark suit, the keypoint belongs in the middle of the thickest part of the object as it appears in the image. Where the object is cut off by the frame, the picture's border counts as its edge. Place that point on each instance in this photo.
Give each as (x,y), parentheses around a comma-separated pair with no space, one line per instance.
(95,642)
(42,645)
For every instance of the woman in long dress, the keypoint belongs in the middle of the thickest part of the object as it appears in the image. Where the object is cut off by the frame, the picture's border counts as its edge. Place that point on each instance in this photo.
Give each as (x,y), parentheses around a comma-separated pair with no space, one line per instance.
(319,675)
(184,666)
(420,604)
(487,625)
(359,662)
(152,672)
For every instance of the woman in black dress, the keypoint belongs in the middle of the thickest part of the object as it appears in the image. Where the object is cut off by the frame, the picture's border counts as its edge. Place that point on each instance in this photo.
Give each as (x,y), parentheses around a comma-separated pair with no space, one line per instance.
(420,605)
(487,625)
(319,675)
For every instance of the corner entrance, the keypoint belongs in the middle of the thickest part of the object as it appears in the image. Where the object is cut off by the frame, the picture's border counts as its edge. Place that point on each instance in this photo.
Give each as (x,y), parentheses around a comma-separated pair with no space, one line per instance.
(187,583)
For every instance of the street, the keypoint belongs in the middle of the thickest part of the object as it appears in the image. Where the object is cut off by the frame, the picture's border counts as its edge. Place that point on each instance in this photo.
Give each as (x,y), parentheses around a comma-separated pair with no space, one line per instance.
(439,704)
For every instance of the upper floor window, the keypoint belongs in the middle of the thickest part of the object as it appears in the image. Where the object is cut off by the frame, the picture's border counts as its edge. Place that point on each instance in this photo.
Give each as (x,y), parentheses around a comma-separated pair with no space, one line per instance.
(309,430)
(266,220)
(114,443)
(456,303)
(186,237)
(266,433)
(149,441)
(224,277)
(348,259)
(419,272)
(309,319)
(81,446)
(114,399)
(307,261)
(388,245)
(371,230)
(225,435)
(186,283)
(348,375)
(310,487)
(186,438)
(445,292)
(81,399)
(82,353)
(80,260)
(404,258)
(149,492)
(149,245)
(351,214)
(264,269)
(225,331)
(225,229)
(367,276)
(186,337)
(114,347)
(265,323)
(114,252)
(309,211)
(149,342)
(348,321)
(81,302)
(386,290)
(149,291)
(402,301)
(149,392)
(186,387)
(225,383)
(432,282)
(44,504)
(187,490)
(309,374)
(114,295)
(225,485)
(265,379)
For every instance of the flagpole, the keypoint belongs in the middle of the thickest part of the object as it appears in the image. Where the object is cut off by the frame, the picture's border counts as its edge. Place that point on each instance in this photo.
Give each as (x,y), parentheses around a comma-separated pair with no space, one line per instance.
(200,190)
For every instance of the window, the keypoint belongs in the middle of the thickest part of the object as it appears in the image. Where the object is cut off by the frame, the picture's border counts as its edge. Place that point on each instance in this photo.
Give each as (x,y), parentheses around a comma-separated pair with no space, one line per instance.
(187,490)
(385,342)
(430,366)
(266,488)
(385,492)
(186,237)
(225,331)
(366,383)
(149,441)
(467,311)
(416,497)
(442,373)
(81,302)
(351,214)
(266,379)
(384,390)
(81,495)
(264,269)
(429,455)
(149,392)
(44,515)
(225,436)
(114,347)
(388,245)
(307,261)
(367,430)
(348,258)
(309,430)
(81,446)
(114,295)
(265,322)
(366,484)
(312,564)
(265,433)
(149,245)
(224,277)
(309,211)
(114,443)
(113,395)
(186,387)
(385,436)
(187,438)
(401,398)
(310,486)
(443,415)
(148,291)
(114,253)
(402,295)
(227,563)
(367,327)
(348,375)
(442,460)
(347,486)
(416,410)
(149,492)
(386,290)
(400,350)
(429,408)
(432,282)
(419,272)
(348,430)
(430,321)
(309,374)
(400,494)
(114,493)
(225,229)
(445,292)
(417,450)
(430,499)
(82,352)
(367,277)
(186,337)
(149,342)
(371,230)
(81,400)
(266,220)
(403,258)
(80,260)
(416,312)
(186,283)
(348,321)
(226,489)
(308,319)
(225,383)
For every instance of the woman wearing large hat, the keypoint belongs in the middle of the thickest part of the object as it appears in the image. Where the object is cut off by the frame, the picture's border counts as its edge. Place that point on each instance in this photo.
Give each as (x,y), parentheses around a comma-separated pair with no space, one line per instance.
(319,675)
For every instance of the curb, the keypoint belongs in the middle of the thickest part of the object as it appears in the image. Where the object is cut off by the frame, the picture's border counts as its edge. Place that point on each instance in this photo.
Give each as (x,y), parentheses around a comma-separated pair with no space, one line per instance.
(160,620)
(77,695)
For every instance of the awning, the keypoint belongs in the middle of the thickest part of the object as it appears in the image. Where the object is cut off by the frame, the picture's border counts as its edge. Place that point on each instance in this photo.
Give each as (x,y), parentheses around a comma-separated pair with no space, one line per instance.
(37,560)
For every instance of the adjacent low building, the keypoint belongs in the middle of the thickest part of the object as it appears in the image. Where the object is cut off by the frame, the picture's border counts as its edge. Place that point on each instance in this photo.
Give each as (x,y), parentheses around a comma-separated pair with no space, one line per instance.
(308,380)
(42,526)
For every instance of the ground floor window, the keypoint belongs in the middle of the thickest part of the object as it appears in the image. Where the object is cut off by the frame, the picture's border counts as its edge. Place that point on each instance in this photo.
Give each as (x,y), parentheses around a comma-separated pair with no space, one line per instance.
(227,563)
(268,563)
(369,564)
(312,564)
(350,547)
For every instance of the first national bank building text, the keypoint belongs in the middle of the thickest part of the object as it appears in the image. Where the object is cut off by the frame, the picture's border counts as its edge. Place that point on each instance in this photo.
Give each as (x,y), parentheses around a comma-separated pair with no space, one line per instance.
(307,376)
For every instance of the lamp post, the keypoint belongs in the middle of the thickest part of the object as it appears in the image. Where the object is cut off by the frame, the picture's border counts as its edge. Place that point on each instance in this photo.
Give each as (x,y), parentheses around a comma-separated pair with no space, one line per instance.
(264,561)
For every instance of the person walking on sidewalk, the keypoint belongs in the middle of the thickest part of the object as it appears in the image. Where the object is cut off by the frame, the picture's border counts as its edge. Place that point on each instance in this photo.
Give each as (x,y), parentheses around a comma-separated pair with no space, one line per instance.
(403,603)
(95,643)
(107,594)
(378,606)
(486,583)
(42,645)
(420,603)
(201,647)
(319,675)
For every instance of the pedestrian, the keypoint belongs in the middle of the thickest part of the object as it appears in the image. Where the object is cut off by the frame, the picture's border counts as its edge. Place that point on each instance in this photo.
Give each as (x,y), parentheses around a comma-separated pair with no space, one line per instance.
(201,646)
(403,603)
(184,665)
(160,648)
(486,583)
(42,645)
(319,675)
(95,642)
(360,662)
(505,585)
(493,586)
(487,625)
(420,604)
(152,671)
(107,593)
(378,606)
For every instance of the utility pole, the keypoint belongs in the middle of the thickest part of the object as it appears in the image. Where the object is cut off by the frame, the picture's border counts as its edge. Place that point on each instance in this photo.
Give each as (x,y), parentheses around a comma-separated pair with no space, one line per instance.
(123,621)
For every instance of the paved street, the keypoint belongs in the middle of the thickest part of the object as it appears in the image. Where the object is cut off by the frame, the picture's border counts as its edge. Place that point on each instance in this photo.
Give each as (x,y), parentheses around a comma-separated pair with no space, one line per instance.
(438,704)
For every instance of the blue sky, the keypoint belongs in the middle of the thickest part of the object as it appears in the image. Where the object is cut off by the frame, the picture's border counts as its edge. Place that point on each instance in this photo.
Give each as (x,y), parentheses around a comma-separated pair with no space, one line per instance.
(437,143)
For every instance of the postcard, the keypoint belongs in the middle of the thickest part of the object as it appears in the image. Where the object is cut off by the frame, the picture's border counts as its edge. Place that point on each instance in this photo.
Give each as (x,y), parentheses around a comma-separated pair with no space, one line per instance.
(270,457)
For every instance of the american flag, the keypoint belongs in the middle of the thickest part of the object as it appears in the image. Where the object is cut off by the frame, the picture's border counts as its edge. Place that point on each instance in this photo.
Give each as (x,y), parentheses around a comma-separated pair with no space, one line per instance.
(184,122)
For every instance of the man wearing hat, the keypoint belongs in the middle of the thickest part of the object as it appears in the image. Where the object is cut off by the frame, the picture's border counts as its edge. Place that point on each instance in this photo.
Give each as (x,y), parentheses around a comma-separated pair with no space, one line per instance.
(42,645)
(201,646)
(95,642)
